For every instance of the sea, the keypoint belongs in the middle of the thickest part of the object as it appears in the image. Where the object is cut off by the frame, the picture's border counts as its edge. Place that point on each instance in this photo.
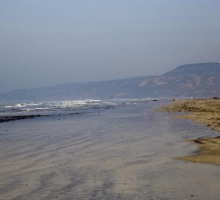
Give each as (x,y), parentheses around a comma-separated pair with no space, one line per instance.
(117,149)
(12,110)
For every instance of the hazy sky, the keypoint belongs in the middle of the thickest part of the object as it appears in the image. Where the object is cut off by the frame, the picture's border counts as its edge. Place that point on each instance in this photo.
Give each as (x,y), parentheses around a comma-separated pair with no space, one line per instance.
(46,42)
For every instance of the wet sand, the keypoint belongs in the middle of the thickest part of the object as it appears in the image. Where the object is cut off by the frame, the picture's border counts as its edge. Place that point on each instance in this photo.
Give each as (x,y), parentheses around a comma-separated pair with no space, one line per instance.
(126,153)
(207,112)
(19,117)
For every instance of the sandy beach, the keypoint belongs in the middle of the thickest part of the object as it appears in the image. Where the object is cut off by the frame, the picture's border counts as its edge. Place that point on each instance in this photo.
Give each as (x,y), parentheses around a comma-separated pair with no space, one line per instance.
(119,154)
(204,111)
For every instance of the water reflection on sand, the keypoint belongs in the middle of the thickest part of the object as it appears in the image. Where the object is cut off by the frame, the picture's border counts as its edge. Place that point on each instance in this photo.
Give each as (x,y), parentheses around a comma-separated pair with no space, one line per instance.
(125,153)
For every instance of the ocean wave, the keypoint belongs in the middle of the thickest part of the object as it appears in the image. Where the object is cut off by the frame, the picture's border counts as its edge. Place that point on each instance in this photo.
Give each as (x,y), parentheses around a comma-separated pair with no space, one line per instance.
(63,107)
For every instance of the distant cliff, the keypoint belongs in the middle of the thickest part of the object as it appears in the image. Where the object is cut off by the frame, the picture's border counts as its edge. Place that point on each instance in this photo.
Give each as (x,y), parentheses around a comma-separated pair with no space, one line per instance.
(197,80)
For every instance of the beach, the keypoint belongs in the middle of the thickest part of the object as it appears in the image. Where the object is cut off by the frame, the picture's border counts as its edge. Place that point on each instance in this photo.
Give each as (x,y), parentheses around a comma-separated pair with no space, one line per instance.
(203,111)
(123,153)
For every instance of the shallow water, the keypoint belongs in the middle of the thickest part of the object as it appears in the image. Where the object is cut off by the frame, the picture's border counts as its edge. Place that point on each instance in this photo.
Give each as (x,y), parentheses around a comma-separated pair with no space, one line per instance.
(123,153)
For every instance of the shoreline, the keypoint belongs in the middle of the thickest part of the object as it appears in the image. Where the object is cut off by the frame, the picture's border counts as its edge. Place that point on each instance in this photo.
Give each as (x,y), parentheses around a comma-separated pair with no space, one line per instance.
(118,154)
(203,111)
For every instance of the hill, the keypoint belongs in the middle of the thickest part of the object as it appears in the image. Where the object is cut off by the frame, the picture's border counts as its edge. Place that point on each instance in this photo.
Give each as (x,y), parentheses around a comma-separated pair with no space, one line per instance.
(197,80)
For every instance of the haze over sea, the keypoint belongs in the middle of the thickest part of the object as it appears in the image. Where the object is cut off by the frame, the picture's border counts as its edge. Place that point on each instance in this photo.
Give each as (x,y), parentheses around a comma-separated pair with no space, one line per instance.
(116,149)
(80,84)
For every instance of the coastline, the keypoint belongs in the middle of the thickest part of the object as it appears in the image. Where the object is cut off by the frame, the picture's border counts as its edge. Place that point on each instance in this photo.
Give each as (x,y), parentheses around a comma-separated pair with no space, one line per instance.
(203,111)
(122,153)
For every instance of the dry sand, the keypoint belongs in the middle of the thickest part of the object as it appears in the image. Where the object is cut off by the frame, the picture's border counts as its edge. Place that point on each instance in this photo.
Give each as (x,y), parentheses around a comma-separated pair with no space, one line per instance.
(204,111)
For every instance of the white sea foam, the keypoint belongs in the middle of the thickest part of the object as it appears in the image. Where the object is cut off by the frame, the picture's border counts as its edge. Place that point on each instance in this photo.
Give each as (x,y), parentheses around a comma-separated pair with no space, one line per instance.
(54,107)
